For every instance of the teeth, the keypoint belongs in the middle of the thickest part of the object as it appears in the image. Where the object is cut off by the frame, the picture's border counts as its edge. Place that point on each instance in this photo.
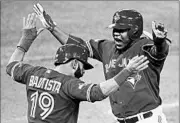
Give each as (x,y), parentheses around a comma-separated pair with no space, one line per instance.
(118,43)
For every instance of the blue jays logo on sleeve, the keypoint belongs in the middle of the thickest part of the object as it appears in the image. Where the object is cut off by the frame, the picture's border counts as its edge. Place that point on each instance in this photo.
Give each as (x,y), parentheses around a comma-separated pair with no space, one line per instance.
(132,80)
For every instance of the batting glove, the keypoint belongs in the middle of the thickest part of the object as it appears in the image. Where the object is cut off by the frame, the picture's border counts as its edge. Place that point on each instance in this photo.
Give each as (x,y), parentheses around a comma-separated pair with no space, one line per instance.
(159,33)
(44,17)
(29,32)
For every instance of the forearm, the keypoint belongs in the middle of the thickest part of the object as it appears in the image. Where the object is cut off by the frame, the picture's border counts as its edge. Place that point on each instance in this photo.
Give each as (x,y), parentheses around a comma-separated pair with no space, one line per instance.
(61,36)
(18,55)
(24,44)
(104,89)
(113,84)
(159,50)
(161,47)
(108,86)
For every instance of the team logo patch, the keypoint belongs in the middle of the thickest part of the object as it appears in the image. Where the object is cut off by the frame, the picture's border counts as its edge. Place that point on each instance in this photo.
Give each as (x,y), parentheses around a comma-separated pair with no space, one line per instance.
(133,80)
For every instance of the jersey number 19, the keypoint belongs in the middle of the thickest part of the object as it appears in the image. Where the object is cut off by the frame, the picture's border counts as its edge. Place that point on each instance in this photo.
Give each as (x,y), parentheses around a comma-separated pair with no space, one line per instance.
(45,102)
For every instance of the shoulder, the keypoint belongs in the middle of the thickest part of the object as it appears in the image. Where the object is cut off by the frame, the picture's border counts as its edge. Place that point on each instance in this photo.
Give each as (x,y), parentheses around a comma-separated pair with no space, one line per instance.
(66,79)
(71,79)
(39,68)
(72,84)
(144,41)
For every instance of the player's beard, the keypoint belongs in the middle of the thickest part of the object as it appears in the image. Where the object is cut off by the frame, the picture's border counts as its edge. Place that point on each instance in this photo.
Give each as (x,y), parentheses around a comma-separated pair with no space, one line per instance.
(78,74)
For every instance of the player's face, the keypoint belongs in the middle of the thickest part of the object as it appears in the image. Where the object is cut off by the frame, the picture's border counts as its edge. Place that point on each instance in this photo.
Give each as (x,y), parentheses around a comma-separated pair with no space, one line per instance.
(121,38)
(80,70)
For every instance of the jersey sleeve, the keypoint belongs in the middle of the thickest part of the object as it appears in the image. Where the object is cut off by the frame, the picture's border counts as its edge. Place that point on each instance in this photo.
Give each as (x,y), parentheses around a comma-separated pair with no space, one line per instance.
(79,90)
(94,47)
(78,41)
(19,71)
(155,57)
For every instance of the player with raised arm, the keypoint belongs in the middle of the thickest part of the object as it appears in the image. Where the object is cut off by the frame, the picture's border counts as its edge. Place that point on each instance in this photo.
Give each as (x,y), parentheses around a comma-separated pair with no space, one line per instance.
(138,100)
(53,95)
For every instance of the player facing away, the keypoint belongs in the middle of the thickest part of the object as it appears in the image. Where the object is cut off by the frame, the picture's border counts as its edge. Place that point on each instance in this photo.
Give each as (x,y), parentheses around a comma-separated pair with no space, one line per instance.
(53,95)
(138,100)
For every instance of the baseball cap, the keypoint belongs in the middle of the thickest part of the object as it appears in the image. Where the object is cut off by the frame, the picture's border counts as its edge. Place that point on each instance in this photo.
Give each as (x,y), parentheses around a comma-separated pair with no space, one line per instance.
(126,19)
(68,52)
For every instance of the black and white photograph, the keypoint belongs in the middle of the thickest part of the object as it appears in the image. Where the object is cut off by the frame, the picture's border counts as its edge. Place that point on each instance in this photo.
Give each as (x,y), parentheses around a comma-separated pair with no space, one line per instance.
(90,61)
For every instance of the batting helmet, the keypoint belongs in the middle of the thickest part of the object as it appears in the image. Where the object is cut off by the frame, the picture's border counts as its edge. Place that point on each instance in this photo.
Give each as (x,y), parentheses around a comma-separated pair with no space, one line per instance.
(69,52)
(128,19)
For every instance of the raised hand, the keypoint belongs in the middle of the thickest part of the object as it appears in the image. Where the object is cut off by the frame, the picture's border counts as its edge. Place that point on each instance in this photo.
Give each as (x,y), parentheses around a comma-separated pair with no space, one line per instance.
(29,32)
(159,32)
(44,17)
(30,24)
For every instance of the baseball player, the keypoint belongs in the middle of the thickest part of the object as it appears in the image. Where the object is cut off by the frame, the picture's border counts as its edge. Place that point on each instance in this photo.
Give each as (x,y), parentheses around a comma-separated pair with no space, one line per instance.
(54,95)
(138,100)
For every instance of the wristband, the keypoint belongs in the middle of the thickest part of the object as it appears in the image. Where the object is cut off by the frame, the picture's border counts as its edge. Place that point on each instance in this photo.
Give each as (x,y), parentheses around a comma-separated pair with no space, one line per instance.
(121,77)
(27,38)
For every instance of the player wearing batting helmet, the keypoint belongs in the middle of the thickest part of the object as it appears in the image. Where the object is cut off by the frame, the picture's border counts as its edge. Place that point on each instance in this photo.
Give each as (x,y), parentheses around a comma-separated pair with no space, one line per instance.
(137,100)
(54,95)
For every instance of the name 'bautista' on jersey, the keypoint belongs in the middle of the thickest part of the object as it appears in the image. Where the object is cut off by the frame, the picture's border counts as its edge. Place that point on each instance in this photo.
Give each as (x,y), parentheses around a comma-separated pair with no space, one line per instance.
(44,83)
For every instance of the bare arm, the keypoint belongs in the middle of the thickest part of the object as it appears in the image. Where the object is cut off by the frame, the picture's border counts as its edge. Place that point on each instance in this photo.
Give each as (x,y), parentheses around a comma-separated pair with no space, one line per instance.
(60,35)
(49,24)
(18,55)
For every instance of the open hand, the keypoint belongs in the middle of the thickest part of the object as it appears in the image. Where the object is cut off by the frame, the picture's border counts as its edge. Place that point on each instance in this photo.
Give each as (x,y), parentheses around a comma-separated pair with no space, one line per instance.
(159,32)
(137,64)
(44,17)
(29,32)
(30,24)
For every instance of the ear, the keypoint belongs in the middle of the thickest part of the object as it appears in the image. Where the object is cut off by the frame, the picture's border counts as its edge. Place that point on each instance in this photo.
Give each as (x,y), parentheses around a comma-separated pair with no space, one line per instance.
(74,64)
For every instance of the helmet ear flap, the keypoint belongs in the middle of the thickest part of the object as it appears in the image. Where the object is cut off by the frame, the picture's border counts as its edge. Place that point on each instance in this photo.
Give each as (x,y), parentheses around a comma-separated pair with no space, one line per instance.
(134,33)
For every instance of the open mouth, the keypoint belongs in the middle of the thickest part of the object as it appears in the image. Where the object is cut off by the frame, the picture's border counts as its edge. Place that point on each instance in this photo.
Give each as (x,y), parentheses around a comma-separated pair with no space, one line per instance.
(119,44)
(119,41)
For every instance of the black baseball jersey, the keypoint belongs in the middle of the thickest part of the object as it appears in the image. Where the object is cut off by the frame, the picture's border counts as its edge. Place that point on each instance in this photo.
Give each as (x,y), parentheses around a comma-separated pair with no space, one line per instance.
(52,97)
(140,92)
